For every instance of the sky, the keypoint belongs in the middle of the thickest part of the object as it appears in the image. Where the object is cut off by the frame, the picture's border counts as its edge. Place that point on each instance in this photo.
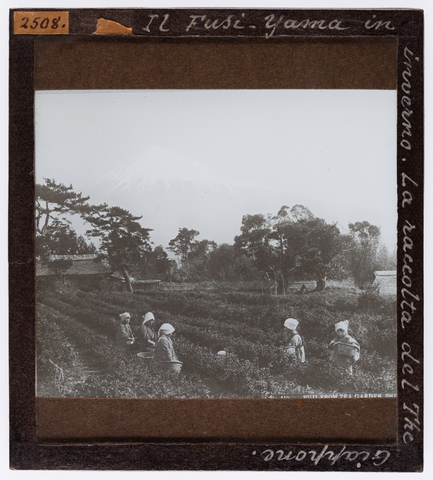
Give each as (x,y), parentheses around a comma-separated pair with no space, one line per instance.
(202,159)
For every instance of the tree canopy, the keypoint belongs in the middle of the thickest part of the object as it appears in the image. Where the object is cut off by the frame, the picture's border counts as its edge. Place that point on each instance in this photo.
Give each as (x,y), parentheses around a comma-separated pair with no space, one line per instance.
(291,245)
(55,201)
(363,254)
(122,238)
(55,204)
(183,244)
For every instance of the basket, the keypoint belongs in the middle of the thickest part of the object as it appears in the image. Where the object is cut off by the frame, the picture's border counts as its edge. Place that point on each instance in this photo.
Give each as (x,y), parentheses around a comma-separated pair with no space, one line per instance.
(172,366)
(145,355)
(347,350)
(289,350)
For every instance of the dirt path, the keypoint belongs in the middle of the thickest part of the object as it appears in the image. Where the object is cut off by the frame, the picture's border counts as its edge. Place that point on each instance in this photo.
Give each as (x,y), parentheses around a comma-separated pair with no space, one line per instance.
(87,365)
(65,377)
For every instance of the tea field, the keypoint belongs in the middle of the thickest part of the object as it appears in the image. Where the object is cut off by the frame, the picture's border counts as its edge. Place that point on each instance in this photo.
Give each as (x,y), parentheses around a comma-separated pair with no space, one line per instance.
(77,356)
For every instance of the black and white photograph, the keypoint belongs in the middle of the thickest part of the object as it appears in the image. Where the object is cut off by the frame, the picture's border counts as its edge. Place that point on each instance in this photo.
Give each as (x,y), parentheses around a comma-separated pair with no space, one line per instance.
(216,238)
(216,243)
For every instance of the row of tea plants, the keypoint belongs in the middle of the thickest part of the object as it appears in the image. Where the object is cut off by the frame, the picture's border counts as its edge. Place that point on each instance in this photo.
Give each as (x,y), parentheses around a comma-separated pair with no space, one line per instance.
(248,326)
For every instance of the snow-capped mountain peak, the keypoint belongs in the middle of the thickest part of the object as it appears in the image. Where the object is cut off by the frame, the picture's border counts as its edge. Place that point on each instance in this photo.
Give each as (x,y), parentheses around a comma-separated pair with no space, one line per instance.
(162,166)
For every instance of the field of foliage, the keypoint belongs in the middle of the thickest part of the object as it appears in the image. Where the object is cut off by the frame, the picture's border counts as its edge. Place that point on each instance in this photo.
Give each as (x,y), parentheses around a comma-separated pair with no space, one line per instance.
(77,355)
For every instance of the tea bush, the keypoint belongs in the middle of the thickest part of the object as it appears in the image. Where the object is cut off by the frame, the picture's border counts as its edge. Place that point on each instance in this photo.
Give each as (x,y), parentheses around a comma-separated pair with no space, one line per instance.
(128,376)
(248,326)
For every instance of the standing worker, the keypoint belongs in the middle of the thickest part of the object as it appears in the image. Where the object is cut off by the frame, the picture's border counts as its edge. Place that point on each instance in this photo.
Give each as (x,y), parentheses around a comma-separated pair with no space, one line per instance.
(345,350)
(164,351)
(147,333)
(294,345)
(124,335)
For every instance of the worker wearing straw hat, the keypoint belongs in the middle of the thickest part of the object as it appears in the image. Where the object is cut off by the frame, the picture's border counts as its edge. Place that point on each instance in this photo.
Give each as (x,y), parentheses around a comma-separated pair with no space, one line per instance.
(293,342)
(164,351)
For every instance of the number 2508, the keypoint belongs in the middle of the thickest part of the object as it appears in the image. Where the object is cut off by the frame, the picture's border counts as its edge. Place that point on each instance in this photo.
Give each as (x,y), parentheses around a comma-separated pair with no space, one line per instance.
(45,23)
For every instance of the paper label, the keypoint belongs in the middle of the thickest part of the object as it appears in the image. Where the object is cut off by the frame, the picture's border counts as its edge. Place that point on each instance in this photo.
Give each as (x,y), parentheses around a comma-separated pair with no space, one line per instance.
(41,23)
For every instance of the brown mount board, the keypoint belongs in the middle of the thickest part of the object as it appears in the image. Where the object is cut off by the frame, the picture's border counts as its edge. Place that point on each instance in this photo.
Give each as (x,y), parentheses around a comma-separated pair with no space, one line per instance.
(172,49)
(111,63)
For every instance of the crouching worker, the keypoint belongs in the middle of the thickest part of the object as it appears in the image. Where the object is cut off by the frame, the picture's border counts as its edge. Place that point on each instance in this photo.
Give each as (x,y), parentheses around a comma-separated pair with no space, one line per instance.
(293,344)
(124,335)
(147,333)
(345,350)
(164,351)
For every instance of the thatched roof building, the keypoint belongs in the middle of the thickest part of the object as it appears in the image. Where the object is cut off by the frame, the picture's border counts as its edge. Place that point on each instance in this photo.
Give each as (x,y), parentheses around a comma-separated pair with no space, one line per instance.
(386,282)
(82,265)
(85,270)
(88,271)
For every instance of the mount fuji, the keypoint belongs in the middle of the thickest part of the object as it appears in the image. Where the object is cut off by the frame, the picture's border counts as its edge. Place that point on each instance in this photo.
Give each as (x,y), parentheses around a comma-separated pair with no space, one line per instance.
(172,191)
(162,167)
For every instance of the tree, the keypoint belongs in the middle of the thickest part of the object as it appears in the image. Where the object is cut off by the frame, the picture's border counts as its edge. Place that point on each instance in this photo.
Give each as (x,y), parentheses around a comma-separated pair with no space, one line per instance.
(83,247)
(340,266)
(183,244)
(226,263)
(56,201)
(123,240)
(255,230)
(54,205)
(292,244)
(384,259)
(60,239)
(255,238)
(192,255)
(201,249)
(156,264)
(222,261)
(198,259)
(309,246)
(364,251)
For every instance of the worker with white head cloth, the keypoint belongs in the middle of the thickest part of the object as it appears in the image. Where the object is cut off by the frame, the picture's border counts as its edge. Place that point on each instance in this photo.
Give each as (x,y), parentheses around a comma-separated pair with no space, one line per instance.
(164,351)
(293,344)
(147,333)
(124,335)
(345,350)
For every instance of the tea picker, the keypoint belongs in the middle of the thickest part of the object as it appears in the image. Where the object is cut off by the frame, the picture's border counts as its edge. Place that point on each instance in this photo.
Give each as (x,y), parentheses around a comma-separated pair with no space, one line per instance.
(345,350)
(294,346)
(124,335)
(147,333)
(165,356)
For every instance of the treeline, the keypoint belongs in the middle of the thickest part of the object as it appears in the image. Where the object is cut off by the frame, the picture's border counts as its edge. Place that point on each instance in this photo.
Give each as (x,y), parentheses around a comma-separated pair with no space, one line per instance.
(291,245)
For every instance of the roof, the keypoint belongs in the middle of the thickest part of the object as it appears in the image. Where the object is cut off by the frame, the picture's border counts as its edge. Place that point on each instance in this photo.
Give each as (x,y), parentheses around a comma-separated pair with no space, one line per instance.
(85,256)
(80,267)
(386,282)
(386,273)
(120,276)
